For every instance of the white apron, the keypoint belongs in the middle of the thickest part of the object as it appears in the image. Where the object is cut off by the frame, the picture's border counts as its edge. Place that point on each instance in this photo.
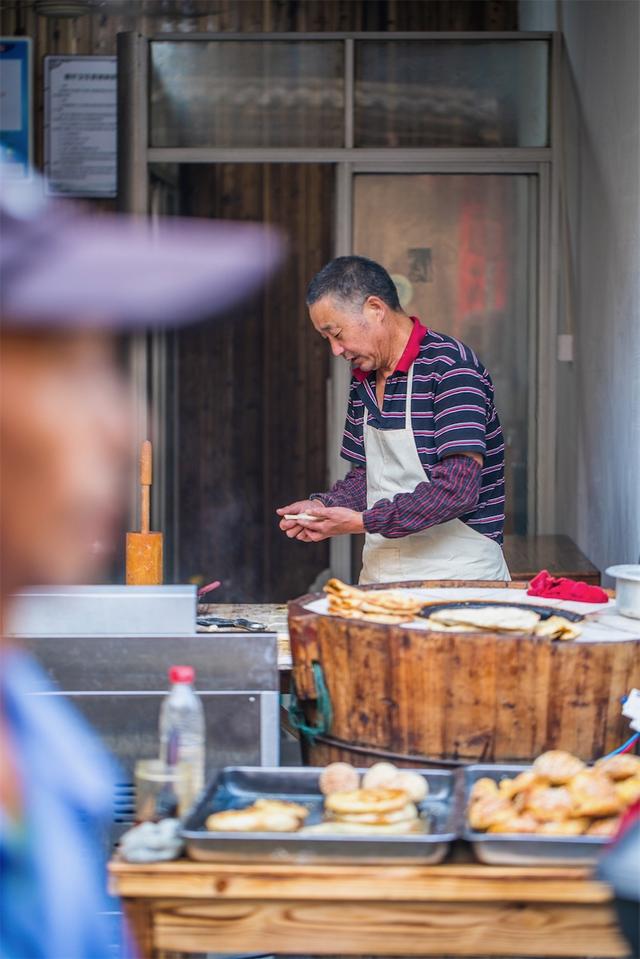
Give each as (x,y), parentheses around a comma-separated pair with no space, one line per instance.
(450,550)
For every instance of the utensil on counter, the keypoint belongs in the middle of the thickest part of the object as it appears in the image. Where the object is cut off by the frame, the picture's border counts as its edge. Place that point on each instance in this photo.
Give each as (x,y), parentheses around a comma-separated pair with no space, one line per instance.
(627,588)
(144,549)
(208,588)
(220,622)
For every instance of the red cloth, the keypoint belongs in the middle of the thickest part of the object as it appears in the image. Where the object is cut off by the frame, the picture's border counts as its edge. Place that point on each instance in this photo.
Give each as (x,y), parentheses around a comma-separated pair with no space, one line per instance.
(559,587)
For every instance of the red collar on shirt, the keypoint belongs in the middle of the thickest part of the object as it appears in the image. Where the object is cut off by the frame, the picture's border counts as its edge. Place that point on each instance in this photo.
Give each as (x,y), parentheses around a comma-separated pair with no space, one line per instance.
(410,353)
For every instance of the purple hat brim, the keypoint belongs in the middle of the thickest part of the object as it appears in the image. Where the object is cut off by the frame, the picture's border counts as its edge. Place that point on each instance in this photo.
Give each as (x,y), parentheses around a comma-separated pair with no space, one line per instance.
(121,272)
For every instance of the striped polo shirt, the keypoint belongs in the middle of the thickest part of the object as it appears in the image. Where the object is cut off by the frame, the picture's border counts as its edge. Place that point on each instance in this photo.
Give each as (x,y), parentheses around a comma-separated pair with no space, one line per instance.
(452,412)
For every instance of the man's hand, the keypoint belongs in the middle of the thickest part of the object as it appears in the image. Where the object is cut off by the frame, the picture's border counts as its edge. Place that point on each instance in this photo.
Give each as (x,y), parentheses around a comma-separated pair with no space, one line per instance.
(331,521)
(290,526)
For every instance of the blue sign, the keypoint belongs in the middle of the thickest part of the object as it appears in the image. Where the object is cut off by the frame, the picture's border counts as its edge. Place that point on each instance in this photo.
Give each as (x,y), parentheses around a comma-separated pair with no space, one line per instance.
(15,106)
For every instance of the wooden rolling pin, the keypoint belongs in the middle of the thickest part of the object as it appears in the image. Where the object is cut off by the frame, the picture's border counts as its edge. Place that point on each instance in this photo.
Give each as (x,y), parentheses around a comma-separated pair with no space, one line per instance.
(144,549)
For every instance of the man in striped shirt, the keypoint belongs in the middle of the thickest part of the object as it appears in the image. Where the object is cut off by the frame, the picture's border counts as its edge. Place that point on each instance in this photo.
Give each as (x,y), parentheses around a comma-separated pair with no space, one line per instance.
(422,433)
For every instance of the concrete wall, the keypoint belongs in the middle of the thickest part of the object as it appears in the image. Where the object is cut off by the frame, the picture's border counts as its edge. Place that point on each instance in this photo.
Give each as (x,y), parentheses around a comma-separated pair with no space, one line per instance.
(598,413)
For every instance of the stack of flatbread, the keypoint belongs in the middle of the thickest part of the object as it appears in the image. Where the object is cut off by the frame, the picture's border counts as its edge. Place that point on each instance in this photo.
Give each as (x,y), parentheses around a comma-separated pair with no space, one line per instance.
(503,619)
(374,606)
(369,812)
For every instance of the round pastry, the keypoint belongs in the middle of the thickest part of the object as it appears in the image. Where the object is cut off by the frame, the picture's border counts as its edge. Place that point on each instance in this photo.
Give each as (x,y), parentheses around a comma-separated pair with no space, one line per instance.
(557,766)
(568,827)
(593,794)
(380,775)
(339,827)
(366,801)
(406,814)
(338,777)
(277,820)
(549,803)
(236,820)
(604,827)
(522,824)
(522,782)
(483,788)
(281,806)
(415,785)
(489,811)
(622,766)
(628,790)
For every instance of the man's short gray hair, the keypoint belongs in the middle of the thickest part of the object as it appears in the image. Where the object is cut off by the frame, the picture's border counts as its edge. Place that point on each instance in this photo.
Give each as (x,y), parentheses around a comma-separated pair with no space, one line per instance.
(353,279)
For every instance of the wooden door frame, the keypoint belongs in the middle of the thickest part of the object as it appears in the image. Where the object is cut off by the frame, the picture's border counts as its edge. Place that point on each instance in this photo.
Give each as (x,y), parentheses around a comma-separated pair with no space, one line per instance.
(149,354)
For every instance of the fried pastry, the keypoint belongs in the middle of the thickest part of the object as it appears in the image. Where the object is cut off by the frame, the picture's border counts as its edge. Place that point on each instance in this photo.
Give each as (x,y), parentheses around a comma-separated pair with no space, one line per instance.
(520,783)
(502,618)
(415,785)
(484,788)
(622,766)
(628,791)
(549,803)
(338,777)
(379,606)
(515,824)
(557,766)
(366,801)
(282,806)
(604,827)
(565,827)
(406,814)
(253,819)
(235,820)
(593,794)
(489,811)
(557,627)
(338,827)
(380,775)
(388,776)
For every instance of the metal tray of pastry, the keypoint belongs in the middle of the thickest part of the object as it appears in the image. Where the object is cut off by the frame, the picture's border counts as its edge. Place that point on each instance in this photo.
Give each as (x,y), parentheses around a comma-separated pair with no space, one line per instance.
(517,849)
(238,786)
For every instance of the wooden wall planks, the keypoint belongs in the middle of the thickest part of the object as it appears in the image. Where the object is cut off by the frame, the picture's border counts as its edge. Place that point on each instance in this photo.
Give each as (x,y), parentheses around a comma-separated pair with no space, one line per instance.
(252,393)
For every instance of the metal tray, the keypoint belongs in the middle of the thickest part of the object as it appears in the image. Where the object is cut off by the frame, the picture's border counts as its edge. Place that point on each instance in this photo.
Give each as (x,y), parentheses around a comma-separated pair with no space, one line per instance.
(239,786)
(498,849)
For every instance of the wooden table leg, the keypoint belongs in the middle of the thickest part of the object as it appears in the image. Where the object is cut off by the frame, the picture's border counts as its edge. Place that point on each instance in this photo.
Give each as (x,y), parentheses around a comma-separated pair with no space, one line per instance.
(139,918)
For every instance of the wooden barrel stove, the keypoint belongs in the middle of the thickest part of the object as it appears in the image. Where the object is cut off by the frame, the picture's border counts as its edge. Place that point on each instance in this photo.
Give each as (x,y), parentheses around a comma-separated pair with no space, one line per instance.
(417,697)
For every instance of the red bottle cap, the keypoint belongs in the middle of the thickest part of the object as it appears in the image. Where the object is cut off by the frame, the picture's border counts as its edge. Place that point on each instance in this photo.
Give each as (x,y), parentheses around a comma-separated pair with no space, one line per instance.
(181,674)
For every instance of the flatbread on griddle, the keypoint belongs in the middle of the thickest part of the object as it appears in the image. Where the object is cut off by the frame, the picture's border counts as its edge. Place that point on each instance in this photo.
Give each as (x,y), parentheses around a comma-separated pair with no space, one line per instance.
(503,618)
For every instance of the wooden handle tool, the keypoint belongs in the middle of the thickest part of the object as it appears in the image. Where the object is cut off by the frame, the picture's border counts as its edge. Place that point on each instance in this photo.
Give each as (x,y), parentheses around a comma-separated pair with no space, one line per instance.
(144,549)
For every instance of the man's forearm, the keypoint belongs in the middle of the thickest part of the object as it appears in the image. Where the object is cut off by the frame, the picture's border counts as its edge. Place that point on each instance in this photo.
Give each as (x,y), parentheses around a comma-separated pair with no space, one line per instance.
(452,492)
(350,492)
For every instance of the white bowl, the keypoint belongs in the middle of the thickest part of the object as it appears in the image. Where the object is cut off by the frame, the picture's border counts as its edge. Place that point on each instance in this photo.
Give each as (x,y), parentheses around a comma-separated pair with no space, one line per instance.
(627,588)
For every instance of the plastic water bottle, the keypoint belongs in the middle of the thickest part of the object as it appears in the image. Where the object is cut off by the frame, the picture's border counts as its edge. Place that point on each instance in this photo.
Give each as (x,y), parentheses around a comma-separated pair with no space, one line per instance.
(182,729)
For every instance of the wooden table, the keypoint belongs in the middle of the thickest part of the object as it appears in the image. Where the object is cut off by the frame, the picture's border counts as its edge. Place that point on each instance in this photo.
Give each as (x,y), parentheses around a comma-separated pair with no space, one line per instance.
(454,909)
(527,555)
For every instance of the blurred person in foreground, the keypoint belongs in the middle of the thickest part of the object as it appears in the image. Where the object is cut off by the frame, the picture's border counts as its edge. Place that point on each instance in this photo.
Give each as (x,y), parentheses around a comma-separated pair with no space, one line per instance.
(69,284)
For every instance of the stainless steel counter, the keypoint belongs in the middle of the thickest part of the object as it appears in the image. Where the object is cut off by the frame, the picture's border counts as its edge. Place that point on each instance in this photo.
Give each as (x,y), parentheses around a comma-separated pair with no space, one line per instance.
(117,680)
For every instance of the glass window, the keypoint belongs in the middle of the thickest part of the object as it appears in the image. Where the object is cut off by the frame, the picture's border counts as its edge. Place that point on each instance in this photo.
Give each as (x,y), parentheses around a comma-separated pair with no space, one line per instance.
(266,93)
(459,247)
(431,93)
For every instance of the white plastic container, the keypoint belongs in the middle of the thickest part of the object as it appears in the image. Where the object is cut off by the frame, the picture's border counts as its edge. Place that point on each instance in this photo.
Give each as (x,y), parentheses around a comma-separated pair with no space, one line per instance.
(627,588)
(182,726)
